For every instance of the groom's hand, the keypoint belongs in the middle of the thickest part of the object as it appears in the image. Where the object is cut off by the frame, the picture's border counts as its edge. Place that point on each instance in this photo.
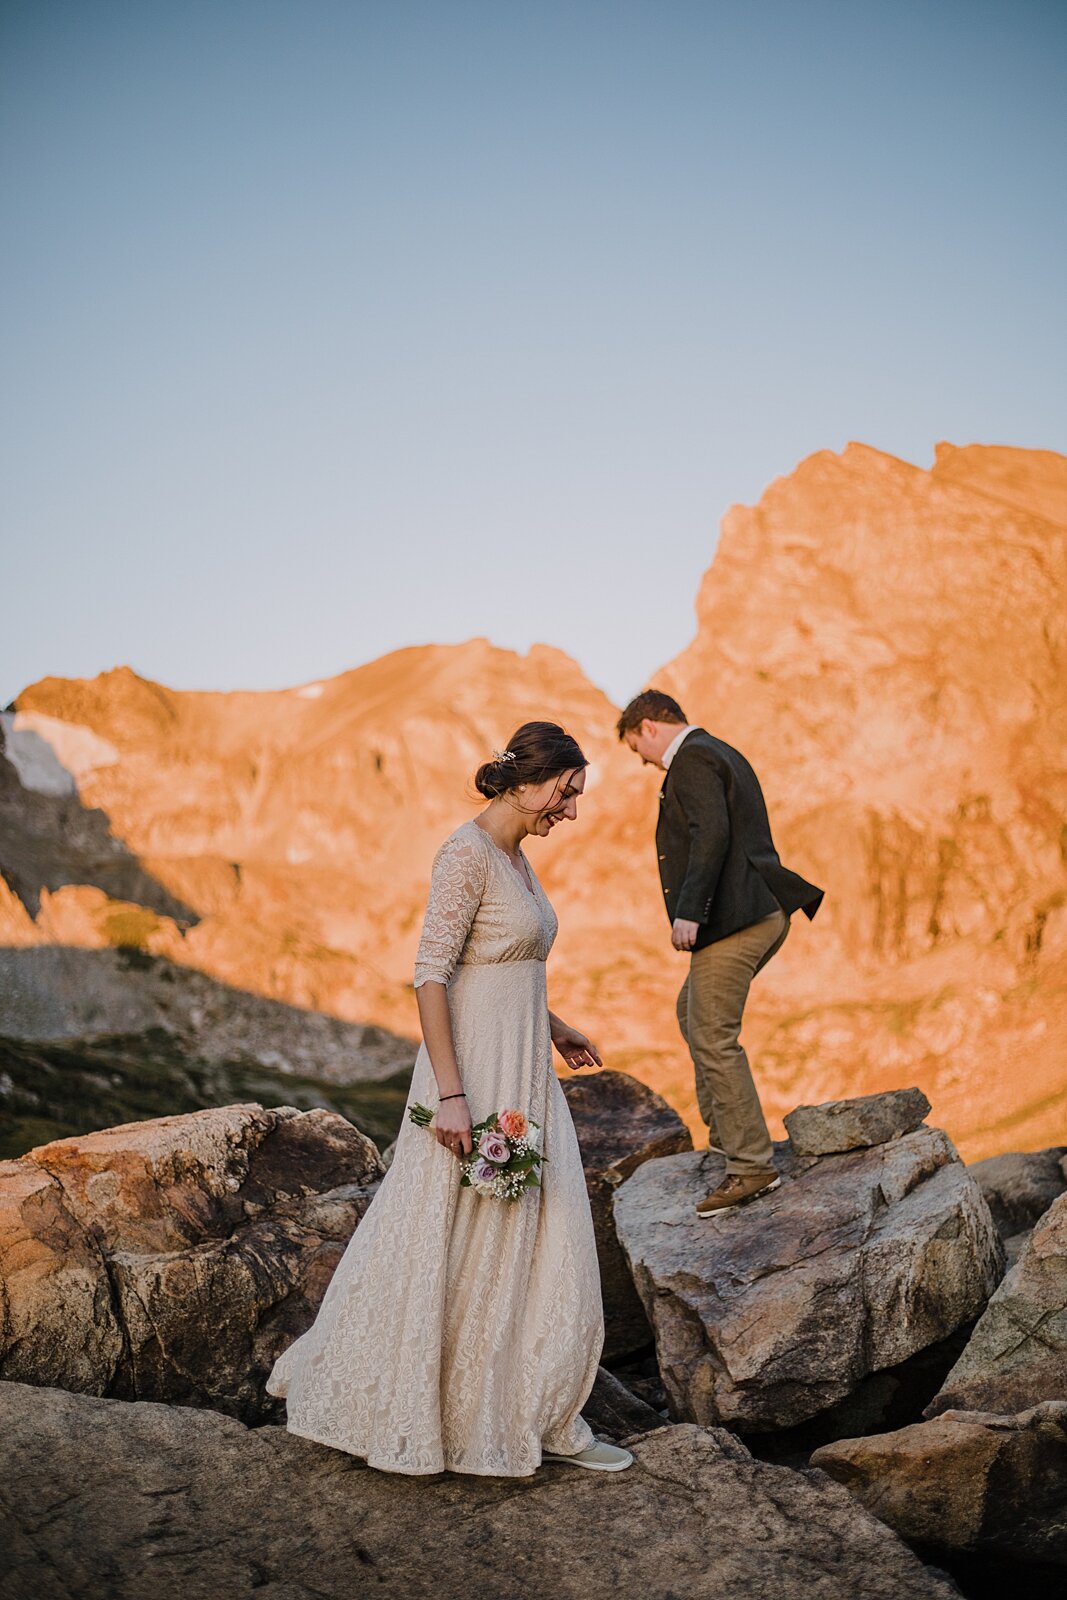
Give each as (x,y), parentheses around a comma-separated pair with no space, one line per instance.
(684,934)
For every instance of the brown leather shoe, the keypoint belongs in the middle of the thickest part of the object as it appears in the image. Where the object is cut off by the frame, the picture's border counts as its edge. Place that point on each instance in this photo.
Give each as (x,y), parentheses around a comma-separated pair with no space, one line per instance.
(735,1190)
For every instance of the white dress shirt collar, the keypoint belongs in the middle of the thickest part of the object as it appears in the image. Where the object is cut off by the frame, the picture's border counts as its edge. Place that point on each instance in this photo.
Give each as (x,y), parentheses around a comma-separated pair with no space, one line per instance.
(672,749)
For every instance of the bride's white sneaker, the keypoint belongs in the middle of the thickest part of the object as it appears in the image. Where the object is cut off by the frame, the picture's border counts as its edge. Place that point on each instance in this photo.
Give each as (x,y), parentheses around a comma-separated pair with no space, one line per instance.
(599,1455)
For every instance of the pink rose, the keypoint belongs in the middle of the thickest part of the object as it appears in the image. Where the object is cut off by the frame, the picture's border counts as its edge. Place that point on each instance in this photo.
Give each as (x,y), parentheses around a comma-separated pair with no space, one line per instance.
(513,1124)
(494,1147)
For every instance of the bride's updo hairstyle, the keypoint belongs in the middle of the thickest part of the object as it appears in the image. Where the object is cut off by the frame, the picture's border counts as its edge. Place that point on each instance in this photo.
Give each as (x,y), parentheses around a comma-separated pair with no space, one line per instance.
(535,753)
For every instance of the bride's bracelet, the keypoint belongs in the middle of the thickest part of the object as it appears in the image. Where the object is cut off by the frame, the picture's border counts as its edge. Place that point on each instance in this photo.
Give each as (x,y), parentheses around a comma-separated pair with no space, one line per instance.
(458,1096)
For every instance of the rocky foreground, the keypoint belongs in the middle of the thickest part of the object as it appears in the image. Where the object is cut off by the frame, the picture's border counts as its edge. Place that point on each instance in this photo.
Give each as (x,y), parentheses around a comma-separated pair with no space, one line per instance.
(153,1272)
(119,1502)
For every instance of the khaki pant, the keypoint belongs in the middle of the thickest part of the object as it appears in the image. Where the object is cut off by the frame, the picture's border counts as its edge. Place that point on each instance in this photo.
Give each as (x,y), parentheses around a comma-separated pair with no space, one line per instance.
(710,1006)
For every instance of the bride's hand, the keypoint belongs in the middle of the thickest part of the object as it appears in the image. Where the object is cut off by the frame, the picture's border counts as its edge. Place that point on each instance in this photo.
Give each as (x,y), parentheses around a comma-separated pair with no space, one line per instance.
(576,1050)
(452,1125)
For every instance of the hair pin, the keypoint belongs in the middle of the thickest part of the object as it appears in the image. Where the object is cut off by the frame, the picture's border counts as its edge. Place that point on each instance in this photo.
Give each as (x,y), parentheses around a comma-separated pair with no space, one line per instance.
(504,755)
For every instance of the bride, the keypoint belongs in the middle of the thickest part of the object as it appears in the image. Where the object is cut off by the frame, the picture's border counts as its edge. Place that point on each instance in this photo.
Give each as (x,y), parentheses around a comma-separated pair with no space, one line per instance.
(461,1332)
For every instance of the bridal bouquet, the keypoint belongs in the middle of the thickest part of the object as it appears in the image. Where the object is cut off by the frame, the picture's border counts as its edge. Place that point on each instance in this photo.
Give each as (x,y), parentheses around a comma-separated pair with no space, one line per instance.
(505,1156)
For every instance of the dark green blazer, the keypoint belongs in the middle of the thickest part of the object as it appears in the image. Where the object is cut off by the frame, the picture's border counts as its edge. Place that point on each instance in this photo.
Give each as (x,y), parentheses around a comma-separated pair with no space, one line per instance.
(717,861)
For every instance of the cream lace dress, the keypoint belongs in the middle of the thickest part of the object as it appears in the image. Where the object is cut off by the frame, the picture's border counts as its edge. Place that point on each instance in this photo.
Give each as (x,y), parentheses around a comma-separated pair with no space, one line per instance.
(460,1332)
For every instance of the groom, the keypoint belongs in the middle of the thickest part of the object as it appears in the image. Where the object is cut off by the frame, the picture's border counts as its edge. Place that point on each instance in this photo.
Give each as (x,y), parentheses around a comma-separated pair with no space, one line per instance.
(729,899)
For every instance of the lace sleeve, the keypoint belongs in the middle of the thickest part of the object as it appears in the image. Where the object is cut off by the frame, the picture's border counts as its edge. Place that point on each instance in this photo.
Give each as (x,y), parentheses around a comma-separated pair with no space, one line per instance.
(456,888)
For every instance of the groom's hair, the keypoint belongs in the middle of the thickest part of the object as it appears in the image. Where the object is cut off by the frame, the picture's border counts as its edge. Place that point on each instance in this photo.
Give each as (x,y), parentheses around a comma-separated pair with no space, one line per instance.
(653,704)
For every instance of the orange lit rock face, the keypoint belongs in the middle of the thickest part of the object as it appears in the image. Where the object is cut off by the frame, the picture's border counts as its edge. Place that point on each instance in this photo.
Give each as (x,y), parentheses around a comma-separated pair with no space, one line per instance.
(886,644)
(296,828)
(888,647)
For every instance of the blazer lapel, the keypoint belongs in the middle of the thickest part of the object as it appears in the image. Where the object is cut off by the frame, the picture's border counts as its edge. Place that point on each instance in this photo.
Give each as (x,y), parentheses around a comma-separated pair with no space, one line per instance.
(681,747)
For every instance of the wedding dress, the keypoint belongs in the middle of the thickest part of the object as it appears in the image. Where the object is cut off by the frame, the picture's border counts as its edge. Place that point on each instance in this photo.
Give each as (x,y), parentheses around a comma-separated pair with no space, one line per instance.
(461,1332)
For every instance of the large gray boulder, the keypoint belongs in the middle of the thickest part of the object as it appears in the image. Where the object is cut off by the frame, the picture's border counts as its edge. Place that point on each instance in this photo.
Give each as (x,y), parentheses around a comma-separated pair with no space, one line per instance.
(767,1314)
(967,1481)
(106,1500)
(175,1258)
(620,1123)
(856,1124)
(1017,1355)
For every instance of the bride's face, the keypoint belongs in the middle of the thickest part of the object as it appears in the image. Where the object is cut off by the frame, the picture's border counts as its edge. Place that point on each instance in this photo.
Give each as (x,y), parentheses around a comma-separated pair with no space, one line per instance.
(546,804)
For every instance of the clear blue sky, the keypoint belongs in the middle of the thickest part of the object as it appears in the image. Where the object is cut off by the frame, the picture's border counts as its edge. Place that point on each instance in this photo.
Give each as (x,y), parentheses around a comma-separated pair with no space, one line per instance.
(333,327)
